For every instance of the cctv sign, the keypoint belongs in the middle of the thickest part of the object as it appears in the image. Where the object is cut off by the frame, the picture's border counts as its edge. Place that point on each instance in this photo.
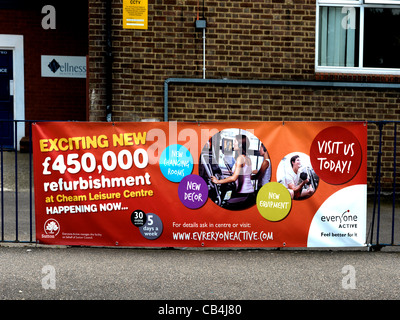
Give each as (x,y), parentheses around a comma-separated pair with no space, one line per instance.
(135,14)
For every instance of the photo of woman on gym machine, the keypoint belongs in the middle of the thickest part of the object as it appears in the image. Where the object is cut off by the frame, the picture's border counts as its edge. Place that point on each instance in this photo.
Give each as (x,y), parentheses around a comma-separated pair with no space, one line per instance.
(227,162)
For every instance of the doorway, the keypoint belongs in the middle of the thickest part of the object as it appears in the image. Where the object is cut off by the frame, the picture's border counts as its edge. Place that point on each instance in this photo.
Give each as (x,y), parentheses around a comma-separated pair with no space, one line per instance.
(12,101)
(6,98)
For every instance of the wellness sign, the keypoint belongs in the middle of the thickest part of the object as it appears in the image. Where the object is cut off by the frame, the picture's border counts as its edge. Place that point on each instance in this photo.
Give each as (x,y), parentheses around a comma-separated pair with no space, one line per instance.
(168,184)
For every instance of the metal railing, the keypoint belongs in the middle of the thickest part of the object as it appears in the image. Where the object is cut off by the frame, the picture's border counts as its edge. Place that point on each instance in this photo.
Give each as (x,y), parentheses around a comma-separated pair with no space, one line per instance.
(385,201)
(16,182)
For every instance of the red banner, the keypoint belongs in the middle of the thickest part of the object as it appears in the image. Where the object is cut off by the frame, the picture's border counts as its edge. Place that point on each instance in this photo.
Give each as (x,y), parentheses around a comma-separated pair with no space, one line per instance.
(168,184)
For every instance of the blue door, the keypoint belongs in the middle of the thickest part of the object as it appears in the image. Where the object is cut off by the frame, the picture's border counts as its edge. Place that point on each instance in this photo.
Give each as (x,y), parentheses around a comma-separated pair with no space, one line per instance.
(6,99)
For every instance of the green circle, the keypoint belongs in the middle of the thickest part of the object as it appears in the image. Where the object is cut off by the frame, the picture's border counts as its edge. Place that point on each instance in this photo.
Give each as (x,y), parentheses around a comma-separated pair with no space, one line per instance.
(274,201)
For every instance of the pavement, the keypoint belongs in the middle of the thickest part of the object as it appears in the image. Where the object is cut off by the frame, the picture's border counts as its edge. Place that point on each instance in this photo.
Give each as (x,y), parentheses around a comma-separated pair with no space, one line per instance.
(37,272)
(196,274)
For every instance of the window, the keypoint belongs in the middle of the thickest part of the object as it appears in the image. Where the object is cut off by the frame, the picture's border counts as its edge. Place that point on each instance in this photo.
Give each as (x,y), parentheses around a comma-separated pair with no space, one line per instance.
(361,36)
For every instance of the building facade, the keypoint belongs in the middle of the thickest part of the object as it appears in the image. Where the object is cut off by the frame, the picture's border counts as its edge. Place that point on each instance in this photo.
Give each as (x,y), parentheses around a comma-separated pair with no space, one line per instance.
(43,52)
(315,60)
(238,60)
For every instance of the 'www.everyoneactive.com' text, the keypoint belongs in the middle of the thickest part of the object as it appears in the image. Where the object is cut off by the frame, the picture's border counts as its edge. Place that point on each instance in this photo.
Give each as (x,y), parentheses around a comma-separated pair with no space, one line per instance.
(223,236)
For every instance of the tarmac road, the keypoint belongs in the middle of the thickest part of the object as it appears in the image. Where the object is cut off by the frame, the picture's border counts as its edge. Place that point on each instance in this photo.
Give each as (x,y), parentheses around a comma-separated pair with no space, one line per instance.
(199,274)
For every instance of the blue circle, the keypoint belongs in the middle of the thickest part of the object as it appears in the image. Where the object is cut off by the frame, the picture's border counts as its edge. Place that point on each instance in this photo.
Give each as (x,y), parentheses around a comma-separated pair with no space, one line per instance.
(176,162)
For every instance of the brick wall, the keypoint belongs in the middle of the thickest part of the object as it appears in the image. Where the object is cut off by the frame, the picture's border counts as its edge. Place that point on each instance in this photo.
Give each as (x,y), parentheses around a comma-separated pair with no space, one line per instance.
(258,39)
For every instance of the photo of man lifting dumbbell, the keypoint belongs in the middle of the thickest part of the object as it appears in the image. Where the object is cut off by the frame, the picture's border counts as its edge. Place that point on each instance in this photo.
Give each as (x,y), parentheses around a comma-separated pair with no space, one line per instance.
(298,177)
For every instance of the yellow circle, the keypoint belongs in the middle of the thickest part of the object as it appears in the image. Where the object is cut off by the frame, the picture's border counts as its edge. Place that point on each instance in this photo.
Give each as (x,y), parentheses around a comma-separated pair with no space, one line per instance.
(274,201)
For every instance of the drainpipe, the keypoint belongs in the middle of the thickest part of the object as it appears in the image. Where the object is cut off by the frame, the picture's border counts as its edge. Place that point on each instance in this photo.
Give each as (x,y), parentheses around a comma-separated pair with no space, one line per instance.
(108,63)
(204,53)
(283,83)
(201,24)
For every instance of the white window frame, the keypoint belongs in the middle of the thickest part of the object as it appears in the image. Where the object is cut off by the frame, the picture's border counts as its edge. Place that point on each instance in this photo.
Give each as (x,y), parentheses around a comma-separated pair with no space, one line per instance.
(395,2)
(361,4)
